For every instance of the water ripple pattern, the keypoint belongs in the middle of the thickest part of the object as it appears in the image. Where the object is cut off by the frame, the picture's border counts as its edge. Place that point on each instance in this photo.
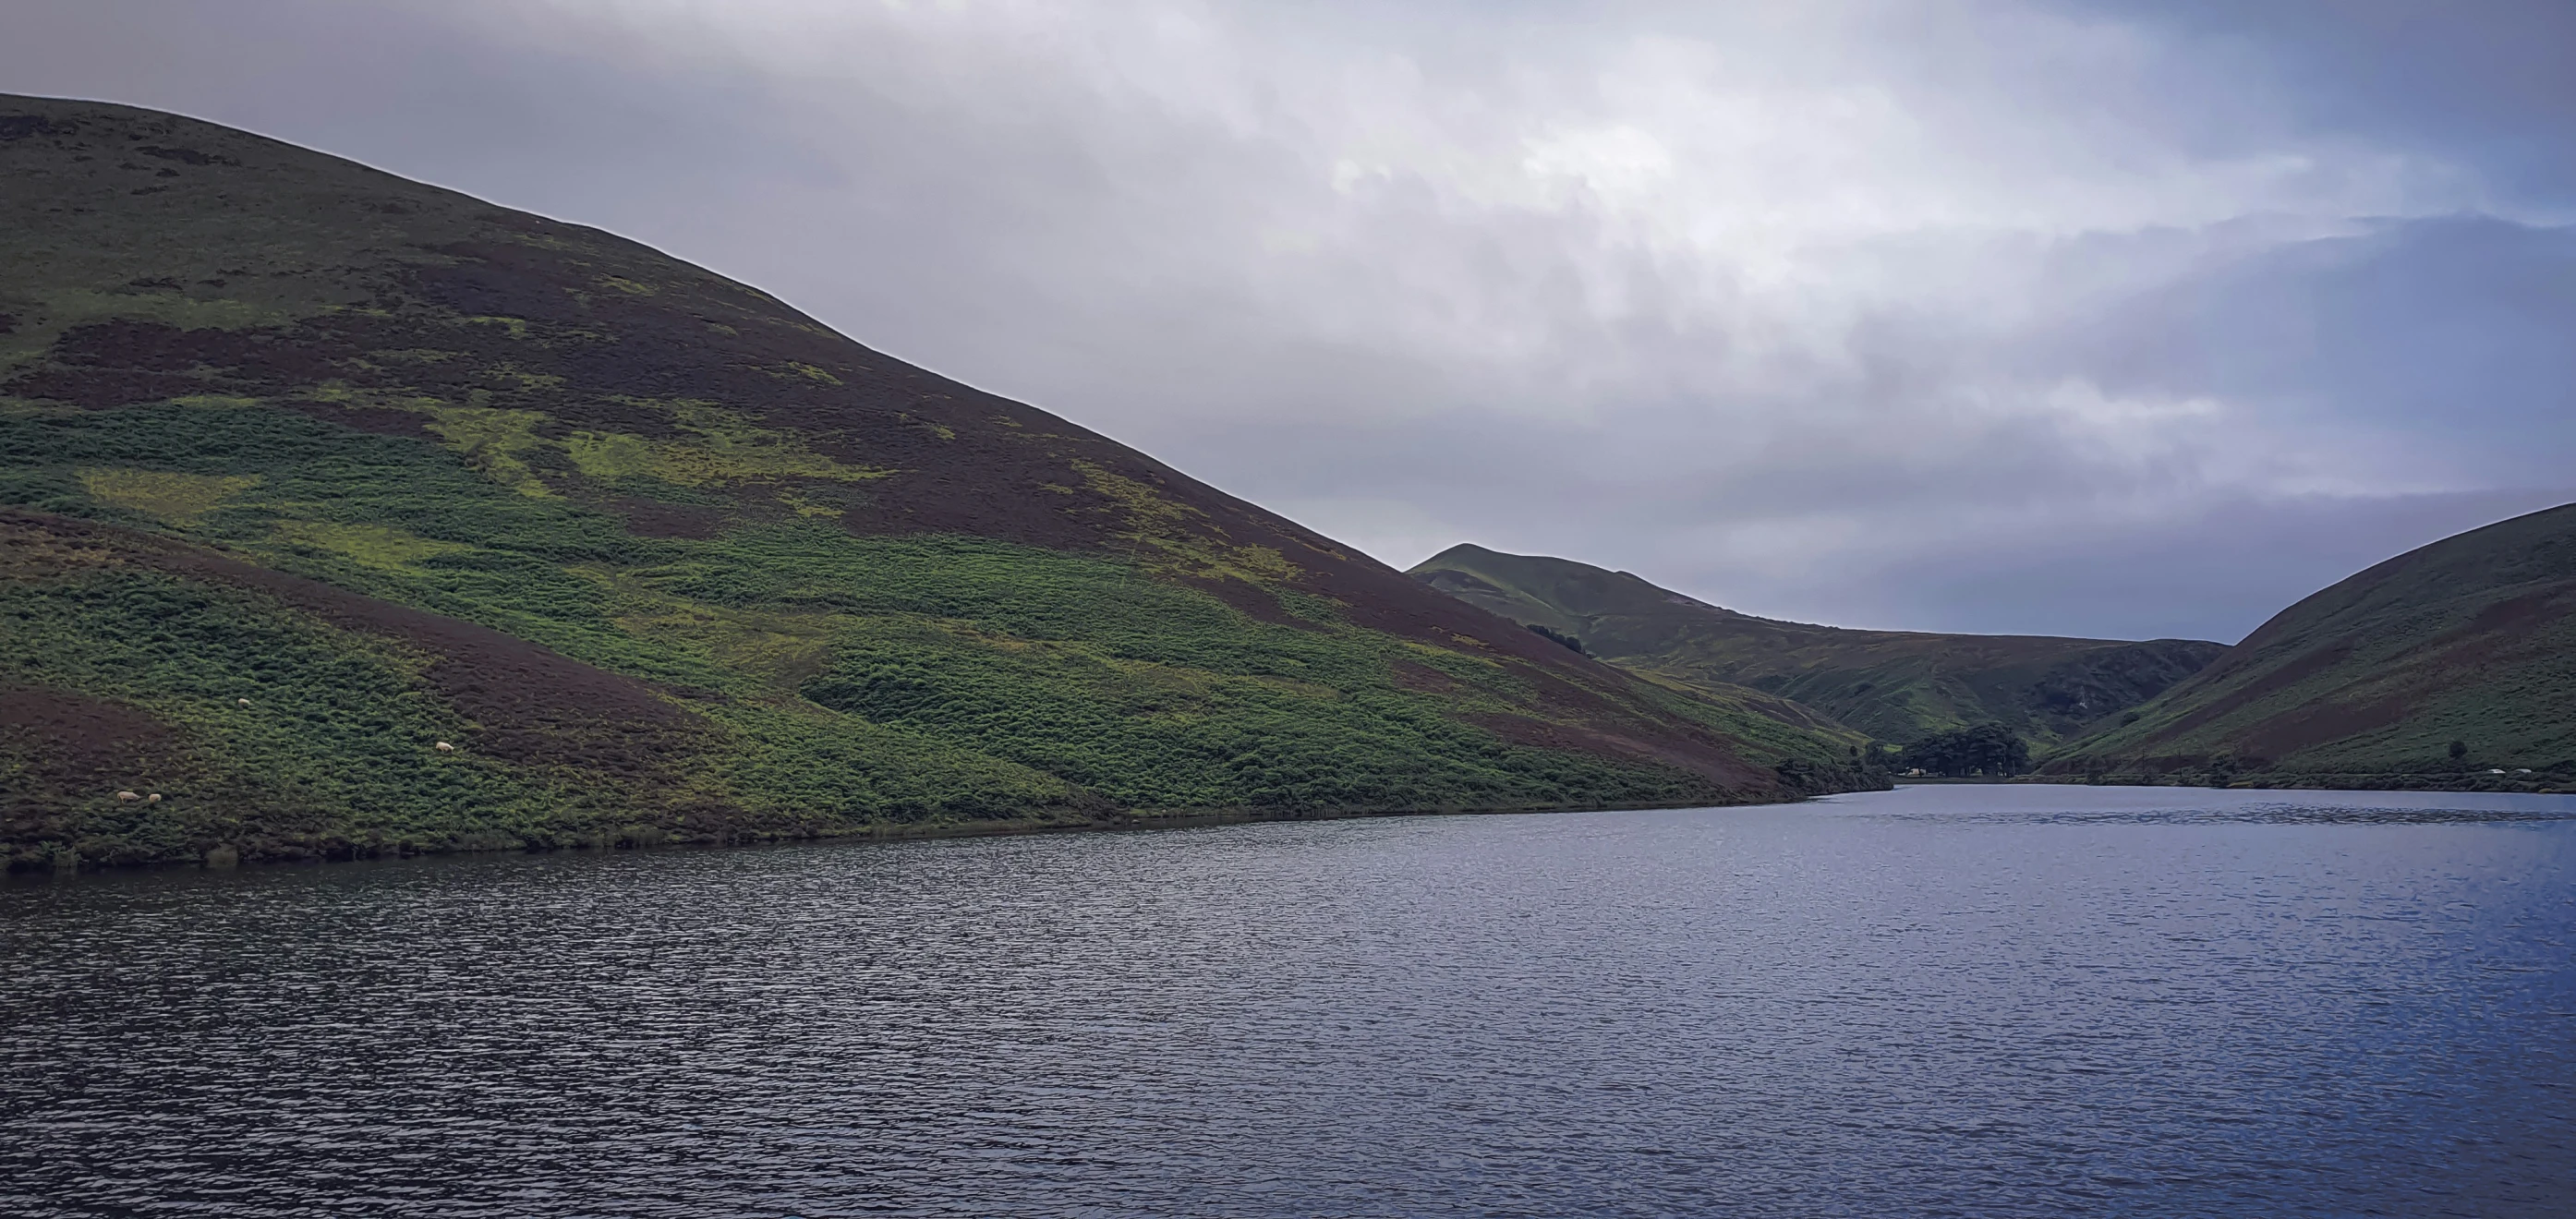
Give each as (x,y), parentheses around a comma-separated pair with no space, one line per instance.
(1970,1001)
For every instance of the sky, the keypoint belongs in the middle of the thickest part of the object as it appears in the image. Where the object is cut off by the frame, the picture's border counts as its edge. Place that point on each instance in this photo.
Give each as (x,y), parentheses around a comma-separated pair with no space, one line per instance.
(2090,318)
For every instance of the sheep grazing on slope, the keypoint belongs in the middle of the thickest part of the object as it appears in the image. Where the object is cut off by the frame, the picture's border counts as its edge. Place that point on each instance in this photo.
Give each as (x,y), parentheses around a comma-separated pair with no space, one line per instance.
(444,747)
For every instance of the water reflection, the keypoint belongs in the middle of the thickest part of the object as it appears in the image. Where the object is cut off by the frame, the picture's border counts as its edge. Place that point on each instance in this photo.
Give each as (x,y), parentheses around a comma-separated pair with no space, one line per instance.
(1975,1001)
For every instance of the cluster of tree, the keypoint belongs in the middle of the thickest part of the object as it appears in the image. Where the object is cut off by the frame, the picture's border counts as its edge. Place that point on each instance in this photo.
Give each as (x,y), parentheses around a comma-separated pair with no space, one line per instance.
(1986,749)
(1865,770)
(1559,636)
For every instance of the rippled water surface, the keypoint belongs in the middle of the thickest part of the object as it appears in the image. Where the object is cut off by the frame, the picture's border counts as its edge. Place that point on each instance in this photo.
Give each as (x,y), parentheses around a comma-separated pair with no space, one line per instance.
(1936,1001)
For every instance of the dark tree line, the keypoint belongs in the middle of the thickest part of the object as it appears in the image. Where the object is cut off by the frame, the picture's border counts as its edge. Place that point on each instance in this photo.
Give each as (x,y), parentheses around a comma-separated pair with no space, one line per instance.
(1986,749)
(1559,636)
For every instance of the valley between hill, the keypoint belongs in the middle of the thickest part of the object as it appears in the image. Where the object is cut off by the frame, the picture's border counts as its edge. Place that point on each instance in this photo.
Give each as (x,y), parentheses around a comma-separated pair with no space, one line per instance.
(1895,686)
(2450,667)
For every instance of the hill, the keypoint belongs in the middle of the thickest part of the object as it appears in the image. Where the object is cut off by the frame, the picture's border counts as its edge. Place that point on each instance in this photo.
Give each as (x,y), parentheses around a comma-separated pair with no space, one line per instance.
(1898,686)
(306,469)
(2368,684)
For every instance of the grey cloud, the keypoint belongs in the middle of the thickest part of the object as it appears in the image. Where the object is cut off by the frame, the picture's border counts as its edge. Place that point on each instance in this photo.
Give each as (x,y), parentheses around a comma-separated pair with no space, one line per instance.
(2451,327)
(2096,322)
(2486,77)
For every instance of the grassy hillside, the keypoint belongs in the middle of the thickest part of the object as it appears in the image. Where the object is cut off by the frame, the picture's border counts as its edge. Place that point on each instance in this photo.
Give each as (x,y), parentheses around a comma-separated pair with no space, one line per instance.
(2470,640)
(1894,685)
(305,469)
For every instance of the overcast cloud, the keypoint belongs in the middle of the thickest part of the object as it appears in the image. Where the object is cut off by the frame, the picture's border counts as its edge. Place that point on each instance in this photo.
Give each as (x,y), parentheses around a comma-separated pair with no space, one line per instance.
(2081,318)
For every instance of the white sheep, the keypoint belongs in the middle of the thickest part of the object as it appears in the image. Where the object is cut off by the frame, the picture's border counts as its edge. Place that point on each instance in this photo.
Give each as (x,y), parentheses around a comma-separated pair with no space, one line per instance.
(128,797)
(444,747)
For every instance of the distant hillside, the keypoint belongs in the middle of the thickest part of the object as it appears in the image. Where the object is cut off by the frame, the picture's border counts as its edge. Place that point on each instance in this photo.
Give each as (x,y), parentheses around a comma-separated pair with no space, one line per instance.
(1897,686)
(306,469)
(2471,640)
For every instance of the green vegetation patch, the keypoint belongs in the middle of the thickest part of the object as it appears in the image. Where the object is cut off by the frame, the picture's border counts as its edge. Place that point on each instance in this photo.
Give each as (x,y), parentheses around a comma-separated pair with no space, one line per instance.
(296,737)
(725,450)
(179,499)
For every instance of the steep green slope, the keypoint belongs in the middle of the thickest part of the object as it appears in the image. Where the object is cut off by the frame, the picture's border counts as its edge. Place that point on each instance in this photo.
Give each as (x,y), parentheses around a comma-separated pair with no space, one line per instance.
(305,469)
(1894,685)
(2471,640)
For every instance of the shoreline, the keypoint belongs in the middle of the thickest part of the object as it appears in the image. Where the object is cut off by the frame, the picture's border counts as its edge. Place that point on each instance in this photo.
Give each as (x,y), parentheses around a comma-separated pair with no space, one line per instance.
(2483,783)
(1132,822)
(2480,784)
(1146,822)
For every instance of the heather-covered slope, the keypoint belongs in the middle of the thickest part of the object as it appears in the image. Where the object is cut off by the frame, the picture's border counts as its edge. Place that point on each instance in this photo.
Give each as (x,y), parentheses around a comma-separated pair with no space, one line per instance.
(1894,685)
(659,556)
(2370,683)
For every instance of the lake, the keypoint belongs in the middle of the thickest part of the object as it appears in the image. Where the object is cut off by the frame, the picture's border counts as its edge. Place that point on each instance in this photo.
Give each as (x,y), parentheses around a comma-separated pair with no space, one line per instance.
(1942,1000)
